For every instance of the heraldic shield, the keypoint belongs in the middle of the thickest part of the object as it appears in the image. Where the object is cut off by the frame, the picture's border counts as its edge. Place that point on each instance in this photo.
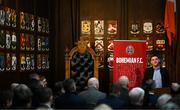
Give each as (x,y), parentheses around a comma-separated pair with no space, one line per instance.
(81,64)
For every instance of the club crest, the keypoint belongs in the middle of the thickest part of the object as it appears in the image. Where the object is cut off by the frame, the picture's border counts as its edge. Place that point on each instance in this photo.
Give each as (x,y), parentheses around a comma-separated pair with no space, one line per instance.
(160,28)
(134,29)
(147,28)
(130,50)
(85,27)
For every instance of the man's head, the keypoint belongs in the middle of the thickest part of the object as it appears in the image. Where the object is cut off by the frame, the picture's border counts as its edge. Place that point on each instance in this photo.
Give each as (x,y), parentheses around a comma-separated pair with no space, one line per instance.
(45,95)
(34,76)
(163,99)
(93,82)
(136,96)
(175,88)
(154,61)
(69,86)
(123,81)
(22,96)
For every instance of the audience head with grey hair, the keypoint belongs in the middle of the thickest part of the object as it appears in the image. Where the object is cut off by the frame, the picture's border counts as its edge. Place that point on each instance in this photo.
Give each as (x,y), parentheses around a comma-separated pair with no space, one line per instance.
(14,85)
(170,106)
(22,96)
(163,99)
(103,107)
(136,96)
(123,81)
(92,94)
(175,89)
(93,82)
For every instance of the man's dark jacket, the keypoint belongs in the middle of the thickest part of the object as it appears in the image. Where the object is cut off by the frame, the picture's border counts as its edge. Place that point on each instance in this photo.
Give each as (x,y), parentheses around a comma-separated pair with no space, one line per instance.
(149,72)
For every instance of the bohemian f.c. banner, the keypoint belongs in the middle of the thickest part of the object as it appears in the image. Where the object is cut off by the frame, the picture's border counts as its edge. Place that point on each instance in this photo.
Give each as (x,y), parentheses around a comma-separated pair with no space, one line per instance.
(129,60)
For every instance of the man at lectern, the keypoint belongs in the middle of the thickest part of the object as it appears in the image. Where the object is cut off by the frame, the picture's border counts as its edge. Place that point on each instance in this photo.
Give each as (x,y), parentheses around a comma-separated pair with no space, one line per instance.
(156,73)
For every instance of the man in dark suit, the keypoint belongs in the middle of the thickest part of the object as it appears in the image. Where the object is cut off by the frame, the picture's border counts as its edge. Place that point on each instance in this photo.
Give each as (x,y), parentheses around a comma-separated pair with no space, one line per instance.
(113,99)
(69,100)
(92,94)
(45,97)
(156,73)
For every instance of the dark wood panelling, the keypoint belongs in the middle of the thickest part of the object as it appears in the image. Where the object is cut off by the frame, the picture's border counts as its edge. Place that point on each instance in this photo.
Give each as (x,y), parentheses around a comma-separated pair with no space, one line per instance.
(64,33)
(43,7)
(9,3)
(100,9)
(140,11)
(26,5)
(145,9)
(177,45)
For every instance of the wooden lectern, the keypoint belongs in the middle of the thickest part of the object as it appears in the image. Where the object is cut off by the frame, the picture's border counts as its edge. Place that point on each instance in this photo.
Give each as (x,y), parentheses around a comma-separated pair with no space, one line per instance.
(160,91)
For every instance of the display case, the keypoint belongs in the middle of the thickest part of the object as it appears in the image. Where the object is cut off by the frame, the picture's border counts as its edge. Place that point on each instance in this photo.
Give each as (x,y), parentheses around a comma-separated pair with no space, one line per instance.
(24,38)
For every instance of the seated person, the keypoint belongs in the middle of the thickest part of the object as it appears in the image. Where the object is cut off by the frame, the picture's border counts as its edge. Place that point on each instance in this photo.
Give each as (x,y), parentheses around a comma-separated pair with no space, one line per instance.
(156,73)
(113,99)
(136,98)
(45,99)
(69,100)
(22,97)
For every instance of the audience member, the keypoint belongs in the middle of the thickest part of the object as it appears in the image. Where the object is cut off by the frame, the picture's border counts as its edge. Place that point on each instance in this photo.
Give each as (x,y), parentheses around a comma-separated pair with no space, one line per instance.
(22,97)
(34,81)
(123,83)
(34,76)
(170,106)
(58,89)
(176,100)
(92,94)
(69,100)
(102,107)
(45,98)
(150,99)
(43,81)
(175,89)
(6,97)
(136,97)
(113,99)
(14,85)
(163,99)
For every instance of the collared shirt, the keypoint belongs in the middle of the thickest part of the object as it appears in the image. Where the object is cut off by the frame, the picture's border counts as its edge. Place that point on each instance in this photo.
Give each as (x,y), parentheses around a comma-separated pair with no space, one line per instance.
(157,78)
